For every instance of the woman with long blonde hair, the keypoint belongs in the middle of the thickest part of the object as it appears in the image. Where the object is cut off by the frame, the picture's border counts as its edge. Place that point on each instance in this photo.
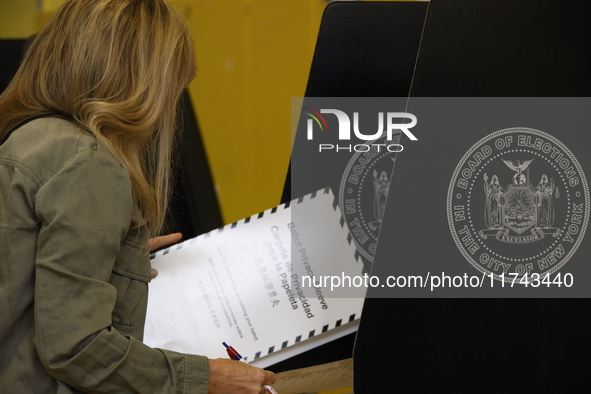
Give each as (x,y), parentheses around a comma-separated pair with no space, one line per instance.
(87,130)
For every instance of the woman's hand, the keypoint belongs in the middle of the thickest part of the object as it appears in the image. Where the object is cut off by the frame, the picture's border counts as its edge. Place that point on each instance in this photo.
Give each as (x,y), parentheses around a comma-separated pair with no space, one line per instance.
(163,240)
(231,376)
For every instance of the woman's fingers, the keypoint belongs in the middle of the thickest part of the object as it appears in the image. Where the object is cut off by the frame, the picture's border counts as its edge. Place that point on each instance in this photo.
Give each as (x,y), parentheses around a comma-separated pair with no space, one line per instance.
(163,240)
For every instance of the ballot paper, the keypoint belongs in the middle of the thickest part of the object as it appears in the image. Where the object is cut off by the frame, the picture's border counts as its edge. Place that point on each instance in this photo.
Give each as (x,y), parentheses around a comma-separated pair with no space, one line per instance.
(244,284)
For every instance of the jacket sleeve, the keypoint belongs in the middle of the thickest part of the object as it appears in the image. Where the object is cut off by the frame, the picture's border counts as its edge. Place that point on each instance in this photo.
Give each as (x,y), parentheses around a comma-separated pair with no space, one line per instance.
(84,212)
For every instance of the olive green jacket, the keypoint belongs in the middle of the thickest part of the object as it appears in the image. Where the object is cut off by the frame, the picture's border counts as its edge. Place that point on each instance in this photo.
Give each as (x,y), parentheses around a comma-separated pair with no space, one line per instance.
(74,272)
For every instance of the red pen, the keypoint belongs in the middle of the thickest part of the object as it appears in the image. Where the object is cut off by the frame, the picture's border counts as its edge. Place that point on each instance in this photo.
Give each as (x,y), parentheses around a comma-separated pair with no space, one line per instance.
(234,355)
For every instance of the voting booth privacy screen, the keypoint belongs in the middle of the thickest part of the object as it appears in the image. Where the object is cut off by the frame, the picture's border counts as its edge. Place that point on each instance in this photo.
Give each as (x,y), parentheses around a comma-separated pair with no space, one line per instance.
(503,344)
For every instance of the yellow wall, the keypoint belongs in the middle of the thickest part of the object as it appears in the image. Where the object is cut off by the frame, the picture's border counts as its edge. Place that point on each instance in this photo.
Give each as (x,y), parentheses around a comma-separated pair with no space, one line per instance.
(17,18)
(253,56)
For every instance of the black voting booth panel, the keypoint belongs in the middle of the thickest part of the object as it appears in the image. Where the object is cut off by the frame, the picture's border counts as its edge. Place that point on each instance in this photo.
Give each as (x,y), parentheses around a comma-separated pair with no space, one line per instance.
(12,51)
(366,50)
(194,208)
(485,49)
(363,50)
(503,49)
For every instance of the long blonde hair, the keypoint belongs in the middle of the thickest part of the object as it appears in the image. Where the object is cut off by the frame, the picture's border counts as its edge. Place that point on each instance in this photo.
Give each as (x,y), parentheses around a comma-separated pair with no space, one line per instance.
(117,68)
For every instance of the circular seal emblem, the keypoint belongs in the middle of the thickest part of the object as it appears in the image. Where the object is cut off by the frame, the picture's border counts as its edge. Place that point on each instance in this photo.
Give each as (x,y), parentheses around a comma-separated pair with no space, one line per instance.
(363,192)
(518,203)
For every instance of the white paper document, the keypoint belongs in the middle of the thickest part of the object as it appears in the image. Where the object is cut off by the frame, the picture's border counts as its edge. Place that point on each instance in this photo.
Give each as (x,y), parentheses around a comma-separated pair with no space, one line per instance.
(244,283)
